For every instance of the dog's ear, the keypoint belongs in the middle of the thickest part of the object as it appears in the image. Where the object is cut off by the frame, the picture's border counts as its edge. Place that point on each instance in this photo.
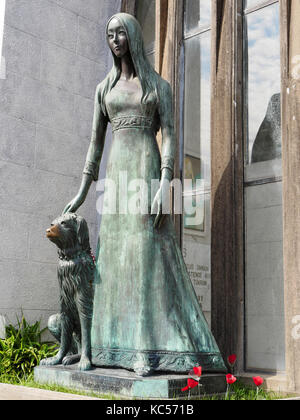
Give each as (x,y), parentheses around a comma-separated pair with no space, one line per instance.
(83,233)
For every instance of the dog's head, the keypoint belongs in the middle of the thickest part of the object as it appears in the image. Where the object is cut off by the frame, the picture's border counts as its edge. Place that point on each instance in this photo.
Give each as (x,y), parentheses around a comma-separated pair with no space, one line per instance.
(69,231)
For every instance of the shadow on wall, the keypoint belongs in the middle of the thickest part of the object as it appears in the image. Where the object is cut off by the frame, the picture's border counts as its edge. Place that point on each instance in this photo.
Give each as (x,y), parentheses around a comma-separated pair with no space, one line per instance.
(225,284)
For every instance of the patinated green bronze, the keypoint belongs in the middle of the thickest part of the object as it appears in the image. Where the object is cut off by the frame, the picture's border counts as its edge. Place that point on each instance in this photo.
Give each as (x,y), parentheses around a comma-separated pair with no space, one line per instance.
(146,315)
(72,325)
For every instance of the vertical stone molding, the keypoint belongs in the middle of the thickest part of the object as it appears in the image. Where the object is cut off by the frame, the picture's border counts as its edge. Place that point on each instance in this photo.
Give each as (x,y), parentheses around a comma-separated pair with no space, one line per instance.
(128,6)
(227,178)
(290,53)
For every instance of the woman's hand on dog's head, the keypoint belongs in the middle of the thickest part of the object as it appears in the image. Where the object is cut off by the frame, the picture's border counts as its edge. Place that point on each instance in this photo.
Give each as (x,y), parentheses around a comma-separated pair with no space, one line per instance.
(74,205)
(79,199)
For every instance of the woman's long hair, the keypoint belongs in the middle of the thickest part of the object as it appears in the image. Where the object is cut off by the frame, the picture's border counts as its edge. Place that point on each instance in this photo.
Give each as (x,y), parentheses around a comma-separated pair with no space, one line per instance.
(147,76)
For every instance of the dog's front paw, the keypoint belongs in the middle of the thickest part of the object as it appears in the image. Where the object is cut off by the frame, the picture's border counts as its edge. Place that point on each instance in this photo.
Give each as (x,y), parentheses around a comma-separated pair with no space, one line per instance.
(84,364)
(51,361)
(70,360)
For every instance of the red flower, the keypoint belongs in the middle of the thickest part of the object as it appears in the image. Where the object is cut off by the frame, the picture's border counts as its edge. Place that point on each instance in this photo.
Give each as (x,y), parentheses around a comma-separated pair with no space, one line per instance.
(230,379)
(258,381)
(232,359)
(191,384)
(196,371)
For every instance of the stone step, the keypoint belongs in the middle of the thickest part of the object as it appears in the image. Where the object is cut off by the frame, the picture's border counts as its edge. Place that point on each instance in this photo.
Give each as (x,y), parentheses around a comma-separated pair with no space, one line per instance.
(123,383)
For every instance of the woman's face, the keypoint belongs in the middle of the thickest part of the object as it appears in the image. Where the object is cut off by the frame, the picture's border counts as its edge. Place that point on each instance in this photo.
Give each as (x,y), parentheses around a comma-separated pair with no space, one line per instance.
(117,39)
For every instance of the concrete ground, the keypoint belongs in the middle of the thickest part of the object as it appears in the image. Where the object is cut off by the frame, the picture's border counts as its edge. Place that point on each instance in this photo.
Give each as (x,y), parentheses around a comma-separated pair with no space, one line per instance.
(12,392)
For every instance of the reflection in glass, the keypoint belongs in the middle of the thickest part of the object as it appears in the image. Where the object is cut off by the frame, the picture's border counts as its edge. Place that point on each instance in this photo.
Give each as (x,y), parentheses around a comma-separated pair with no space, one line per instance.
(197,101)
(262,56)
(264,284)
(267,144)
(249,4)
(197,13)
(196,217)
(145,14)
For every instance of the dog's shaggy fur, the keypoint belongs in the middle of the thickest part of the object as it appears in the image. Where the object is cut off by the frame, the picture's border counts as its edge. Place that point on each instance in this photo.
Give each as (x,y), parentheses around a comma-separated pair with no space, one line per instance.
(72,326)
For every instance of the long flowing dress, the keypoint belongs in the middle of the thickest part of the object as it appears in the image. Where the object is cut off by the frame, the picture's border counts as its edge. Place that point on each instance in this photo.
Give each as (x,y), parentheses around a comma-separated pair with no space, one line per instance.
(145,309)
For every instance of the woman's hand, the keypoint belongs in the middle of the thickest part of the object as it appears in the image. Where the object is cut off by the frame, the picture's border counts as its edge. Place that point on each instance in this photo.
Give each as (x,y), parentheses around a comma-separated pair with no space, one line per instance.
(74,205)
(160,203)
(156,208)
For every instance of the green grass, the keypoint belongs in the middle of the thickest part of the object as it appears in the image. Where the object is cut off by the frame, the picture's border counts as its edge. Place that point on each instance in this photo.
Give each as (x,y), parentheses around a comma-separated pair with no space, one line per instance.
(22,350)
(240,392)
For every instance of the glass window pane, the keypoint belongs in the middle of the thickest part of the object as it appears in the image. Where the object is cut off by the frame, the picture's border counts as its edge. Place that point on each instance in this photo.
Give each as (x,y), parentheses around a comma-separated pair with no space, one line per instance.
(262,59)
(196,217)
(197,100)
(249,4)
(197,13)
(264,285)
(145,14)
(265,330)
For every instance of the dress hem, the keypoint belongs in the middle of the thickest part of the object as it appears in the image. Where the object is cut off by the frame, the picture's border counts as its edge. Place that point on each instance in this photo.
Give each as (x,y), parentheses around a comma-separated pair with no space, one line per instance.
(168,361)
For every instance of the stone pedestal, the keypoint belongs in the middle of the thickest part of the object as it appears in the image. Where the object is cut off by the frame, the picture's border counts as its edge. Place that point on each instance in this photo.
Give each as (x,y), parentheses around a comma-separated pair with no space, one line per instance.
(127,384)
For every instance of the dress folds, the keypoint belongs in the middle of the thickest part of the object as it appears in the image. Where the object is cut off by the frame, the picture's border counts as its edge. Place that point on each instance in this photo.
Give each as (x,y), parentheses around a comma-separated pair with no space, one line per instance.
(146,312)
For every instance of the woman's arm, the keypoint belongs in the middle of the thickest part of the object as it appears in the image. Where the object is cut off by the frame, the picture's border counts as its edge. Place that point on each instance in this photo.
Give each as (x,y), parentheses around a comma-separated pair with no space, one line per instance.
(168,151)
(94,155)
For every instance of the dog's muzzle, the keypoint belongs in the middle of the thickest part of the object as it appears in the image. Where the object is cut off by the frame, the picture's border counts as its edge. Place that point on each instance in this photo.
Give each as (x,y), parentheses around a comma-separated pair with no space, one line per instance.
(53,232)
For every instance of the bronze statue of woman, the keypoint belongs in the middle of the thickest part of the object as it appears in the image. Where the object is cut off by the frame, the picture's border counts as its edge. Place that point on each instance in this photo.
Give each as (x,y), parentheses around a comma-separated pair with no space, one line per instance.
(146,314)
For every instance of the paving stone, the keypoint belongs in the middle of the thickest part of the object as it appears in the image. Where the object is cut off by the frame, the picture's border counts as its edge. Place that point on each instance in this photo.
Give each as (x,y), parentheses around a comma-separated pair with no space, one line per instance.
(13,393)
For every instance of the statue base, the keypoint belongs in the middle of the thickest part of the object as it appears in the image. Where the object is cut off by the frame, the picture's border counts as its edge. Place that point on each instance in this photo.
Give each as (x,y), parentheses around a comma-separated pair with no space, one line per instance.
(127,384)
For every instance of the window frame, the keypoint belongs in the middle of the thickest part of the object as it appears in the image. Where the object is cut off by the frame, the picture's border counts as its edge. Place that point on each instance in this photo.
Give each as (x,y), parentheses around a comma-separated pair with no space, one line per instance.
(261,5)
(263,179)
(186,36)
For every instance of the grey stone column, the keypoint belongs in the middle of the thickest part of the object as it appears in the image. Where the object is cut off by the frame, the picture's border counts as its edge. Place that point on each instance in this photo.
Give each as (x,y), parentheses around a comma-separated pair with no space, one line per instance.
(290,52)
(227,269)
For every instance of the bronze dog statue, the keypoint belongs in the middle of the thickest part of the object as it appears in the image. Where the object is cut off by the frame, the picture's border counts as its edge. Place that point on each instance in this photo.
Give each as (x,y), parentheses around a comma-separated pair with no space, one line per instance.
(72,326)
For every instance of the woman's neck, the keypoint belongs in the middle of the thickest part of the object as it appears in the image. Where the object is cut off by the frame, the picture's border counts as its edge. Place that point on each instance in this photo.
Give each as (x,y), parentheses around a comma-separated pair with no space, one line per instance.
(127,68)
